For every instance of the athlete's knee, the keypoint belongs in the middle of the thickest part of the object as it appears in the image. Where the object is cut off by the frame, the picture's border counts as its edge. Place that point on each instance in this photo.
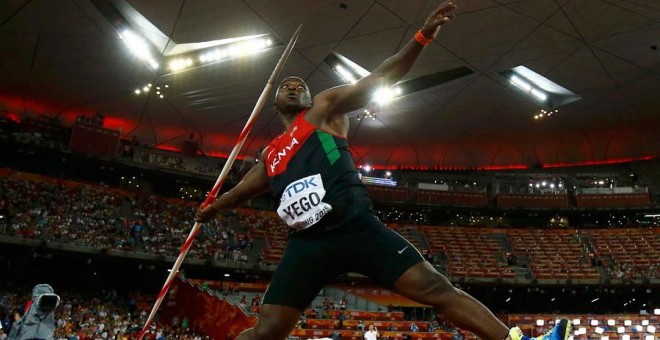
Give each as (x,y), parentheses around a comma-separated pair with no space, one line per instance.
(268,331)
(245,335)
(271,325)
(426,285)
(438,291)
(262,333)
(440,287)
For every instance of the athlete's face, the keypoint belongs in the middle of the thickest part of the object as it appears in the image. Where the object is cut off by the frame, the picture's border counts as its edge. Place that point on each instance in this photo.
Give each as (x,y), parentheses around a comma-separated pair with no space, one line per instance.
(292,96)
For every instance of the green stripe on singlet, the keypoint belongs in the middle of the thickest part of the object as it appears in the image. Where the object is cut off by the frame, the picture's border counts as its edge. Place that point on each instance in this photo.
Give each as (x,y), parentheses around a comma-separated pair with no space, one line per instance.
(329,146)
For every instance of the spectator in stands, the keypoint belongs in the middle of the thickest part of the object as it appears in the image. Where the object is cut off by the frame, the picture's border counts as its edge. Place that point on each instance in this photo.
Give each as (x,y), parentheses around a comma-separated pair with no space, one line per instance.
(414,327)
(243,302)
(360,326)
(256,301)
(511,259)
(303,321)
(372,333)
(6,320)
(341,318)
(175,322)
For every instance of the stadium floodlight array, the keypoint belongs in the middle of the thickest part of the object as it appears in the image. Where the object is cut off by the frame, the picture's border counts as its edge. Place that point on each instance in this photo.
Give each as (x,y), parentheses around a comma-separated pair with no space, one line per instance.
(139,47)
(234,50)
(543,91)
(350,72)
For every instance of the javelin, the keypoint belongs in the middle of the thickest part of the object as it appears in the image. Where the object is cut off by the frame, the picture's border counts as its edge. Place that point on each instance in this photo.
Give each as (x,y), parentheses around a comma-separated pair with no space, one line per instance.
(210,198)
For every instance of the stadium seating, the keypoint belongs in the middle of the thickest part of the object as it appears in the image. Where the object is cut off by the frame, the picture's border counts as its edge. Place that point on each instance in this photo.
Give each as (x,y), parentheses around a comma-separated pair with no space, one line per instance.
(553,253)
(44,208)
(469,252)
(631,252)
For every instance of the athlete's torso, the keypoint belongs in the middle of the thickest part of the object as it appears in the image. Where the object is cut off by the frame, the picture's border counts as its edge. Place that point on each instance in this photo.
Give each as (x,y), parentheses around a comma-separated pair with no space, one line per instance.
(312,173)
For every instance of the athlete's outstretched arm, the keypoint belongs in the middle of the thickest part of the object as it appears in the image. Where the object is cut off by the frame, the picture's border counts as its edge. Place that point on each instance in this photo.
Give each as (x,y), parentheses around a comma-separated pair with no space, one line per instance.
(344,99)
(252,184)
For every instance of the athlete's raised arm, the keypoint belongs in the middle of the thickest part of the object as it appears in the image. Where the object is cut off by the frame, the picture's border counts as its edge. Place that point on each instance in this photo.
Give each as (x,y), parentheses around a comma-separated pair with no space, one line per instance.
(346,98)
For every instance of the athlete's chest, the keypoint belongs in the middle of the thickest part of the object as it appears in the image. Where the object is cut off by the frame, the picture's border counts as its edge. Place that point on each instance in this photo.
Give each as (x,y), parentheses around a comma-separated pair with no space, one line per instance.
(284,147)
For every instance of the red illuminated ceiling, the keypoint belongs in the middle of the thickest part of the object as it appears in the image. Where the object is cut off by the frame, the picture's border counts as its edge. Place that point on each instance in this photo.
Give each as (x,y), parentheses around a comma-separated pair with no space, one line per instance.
(63,58)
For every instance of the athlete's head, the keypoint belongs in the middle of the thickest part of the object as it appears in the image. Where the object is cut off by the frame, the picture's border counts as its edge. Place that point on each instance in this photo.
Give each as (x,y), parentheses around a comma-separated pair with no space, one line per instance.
(292,96)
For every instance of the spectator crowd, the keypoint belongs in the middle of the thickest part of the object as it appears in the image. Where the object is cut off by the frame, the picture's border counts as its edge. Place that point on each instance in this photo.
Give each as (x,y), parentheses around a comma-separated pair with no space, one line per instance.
(104,218)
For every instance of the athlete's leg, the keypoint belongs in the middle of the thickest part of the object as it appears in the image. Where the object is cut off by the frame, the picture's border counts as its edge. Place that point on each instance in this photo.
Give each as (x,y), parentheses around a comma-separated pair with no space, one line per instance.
(304,269)
(424,284)
(275,322)
(395,263)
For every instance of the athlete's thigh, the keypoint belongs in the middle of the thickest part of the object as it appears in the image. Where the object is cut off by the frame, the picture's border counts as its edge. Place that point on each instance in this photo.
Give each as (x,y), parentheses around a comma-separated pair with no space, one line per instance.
(301,273)
(384,254)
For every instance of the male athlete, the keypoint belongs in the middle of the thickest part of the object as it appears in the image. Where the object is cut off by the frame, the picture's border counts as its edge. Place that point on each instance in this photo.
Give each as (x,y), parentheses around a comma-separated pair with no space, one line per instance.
(310,170)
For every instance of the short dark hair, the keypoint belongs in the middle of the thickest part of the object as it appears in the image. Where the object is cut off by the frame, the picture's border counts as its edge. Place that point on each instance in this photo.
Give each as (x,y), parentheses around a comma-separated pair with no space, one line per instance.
(293,77)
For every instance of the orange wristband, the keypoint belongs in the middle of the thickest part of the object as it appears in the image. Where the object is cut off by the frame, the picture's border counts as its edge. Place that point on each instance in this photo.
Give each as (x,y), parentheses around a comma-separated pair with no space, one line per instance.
(420,38)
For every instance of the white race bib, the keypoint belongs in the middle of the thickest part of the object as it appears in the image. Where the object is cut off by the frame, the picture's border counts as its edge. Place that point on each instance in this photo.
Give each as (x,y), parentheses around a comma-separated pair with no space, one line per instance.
(301,205)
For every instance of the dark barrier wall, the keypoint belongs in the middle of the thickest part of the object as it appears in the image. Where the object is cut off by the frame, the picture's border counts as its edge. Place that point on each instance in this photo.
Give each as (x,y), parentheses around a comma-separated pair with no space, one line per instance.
(613,200)
(452,198)
(94,141)
(532,201)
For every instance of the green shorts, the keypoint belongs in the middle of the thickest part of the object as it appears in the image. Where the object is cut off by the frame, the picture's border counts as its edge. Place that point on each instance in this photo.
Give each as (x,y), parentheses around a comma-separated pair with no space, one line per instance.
(312,258)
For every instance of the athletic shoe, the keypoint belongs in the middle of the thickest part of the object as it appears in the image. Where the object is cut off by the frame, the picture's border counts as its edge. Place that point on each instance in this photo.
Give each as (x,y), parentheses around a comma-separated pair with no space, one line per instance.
(561,331)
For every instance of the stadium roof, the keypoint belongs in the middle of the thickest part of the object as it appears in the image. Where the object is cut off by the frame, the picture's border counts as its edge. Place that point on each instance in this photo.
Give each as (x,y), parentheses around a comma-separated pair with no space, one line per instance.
(64,57)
